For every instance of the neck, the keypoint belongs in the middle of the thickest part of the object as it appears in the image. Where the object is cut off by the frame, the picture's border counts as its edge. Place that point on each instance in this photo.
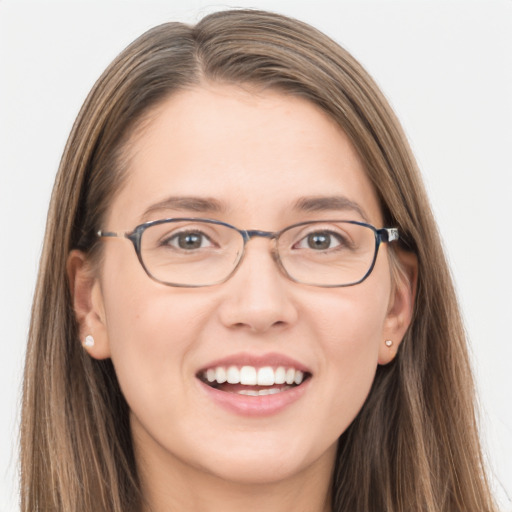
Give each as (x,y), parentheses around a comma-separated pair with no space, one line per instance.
(177,486)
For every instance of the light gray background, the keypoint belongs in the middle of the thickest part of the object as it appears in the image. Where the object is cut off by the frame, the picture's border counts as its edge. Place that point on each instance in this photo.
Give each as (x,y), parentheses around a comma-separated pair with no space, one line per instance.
(446,67)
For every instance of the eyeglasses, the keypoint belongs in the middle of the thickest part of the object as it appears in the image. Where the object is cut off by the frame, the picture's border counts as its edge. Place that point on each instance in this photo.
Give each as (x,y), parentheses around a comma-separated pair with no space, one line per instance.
(191,252)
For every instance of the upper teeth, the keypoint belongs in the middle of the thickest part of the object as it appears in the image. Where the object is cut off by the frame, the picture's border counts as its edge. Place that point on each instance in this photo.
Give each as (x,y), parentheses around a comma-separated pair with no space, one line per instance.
(251,376)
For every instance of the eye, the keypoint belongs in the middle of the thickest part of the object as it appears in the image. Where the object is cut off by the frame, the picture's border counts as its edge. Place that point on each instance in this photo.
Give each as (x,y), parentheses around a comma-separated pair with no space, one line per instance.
(320,241)
(188,240)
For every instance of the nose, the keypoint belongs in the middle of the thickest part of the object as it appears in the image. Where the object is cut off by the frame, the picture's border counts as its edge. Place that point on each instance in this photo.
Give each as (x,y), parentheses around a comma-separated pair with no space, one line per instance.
(258,296)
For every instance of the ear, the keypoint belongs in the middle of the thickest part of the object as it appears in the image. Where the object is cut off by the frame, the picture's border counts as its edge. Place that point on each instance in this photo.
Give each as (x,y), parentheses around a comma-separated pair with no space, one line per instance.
(401,304)
(87,300)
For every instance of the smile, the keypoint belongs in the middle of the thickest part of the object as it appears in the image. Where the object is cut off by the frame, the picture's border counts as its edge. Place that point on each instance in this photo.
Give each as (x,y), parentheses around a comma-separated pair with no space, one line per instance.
(253,381)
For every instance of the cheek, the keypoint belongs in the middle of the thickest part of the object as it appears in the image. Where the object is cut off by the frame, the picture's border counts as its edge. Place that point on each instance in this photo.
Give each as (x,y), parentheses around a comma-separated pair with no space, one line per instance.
(151,333)
(350,324)
(352,319)
(149,327)
(140,313)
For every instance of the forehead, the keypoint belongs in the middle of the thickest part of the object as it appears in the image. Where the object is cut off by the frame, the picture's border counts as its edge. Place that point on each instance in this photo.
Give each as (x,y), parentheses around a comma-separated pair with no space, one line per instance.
(255,153)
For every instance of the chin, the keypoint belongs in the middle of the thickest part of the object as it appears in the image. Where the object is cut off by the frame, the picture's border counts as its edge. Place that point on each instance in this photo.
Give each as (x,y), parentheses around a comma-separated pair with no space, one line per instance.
(258,470)
(260,458)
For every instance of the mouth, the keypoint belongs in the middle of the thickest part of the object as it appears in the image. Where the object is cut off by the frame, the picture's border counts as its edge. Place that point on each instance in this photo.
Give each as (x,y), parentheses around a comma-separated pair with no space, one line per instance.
(252,380)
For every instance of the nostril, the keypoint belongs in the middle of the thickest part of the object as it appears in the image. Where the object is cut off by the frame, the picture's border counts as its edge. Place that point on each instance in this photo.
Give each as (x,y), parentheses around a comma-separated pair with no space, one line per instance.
(242,325)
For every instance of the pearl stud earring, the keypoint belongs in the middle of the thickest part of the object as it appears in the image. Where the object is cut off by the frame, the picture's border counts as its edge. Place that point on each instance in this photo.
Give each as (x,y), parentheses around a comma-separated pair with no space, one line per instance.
(388,343)
(89,341)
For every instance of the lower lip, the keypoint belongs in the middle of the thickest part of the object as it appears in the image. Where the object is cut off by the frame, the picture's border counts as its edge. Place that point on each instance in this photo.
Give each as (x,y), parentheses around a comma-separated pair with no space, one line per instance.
(264,405)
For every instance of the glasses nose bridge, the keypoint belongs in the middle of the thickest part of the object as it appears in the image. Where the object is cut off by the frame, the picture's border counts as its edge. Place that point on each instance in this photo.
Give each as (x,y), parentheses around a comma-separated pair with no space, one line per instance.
(253,233)
(249,234)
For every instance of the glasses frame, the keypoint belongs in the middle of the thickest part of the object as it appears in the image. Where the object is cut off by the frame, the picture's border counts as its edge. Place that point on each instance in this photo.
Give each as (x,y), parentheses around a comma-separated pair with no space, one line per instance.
(382,235)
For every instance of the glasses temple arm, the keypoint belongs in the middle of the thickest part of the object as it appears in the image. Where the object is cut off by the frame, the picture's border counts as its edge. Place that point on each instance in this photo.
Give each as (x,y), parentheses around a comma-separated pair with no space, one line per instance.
(101,233)
(389,234)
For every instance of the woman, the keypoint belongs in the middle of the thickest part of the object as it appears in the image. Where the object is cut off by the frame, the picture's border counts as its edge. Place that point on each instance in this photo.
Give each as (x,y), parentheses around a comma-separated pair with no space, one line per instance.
(285,334)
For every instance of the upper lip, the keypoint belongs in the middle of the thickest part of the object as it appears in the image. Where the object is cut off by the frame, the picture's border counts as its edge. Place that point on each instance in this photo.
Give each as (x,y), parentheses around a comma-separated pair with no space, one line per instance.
(272,359)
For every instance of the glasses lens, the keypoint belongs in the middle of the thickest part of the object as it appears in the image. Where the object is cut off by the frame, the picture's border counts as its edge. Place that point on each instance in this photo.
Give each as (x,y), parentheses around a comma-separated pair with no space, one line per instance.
(190,252)
(328,253)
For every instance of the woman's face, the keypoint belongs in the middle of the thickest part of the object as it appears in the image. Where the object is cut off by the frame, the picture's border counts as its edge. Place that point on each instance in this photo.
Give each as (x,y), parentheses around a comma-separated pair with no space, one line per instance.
(252,160)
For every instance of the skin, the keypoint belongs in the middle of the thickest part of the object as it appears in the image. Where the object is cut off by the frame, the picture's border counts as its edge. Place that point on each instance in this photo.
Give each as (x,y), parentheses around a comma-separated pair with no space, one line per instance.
(256,153)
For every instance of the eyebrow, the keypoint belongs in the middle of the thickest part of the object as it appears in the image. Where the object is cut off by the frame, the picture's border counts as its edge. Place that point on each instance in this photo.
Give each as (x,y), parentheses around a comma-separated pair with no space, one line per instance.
(186,203)
(329,203)
(212,205)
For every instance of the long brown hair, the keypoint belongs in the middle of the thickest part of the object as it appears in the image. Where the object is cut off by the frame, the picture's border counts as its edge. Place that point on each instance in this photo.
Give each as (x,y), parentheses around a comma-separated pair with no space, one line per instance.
(414,444)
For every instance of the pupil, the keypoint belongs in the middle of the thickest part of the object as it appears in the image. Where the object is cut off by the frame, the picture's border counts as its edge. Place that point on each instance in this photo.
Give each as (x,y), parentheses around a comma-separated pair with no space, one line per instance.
(189,241)
(319,241)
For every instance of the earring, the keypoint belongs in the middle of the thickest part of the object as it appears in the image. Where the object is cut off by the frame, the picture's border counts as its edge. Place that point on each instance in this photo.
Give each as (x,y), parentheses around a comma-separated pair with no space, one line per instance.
(89,341)
(388,343)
